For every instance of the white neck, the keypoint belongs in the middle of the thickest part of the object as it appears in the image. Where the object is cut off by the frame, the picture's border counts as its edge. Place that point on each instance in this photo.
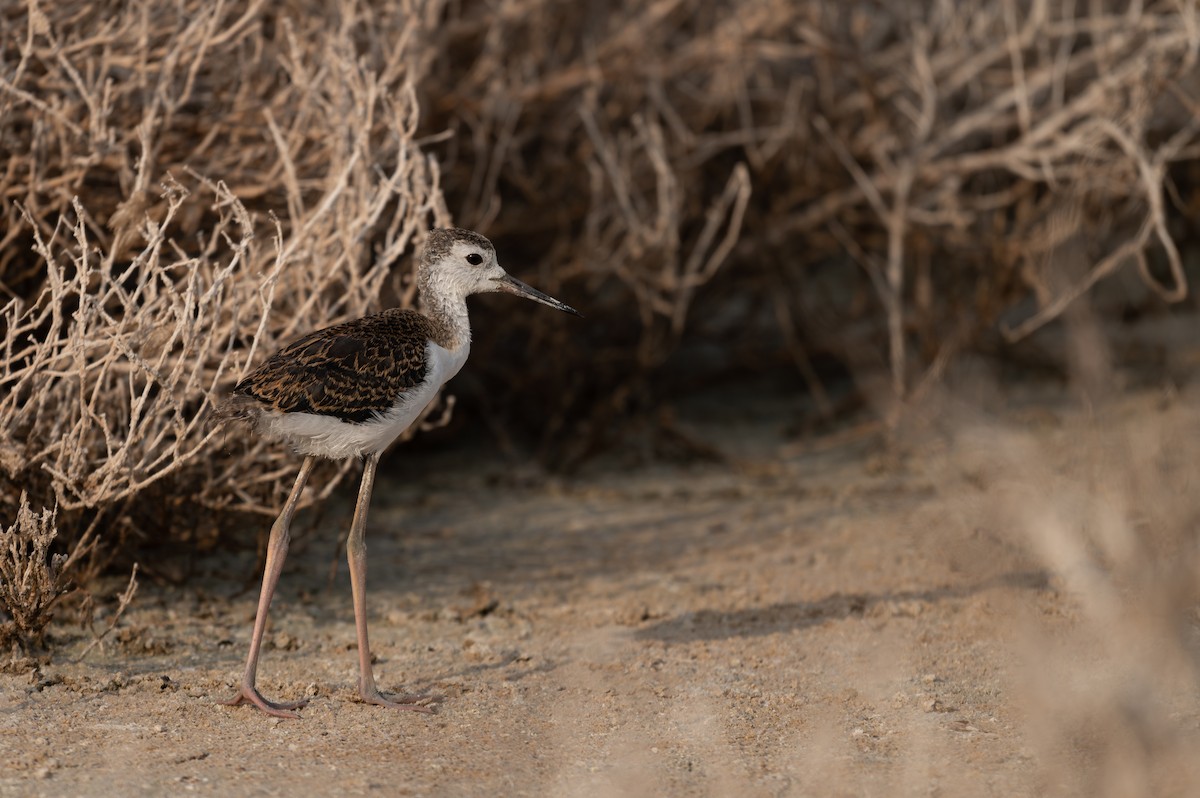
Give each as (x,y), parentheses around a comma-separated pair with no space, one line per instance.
(446,307)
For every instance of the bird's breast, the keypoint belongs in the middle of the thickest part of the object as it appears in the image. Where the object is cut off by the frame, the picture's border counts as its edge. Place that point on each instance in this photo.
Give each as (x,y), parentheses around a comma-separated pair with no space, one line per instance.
(444,363)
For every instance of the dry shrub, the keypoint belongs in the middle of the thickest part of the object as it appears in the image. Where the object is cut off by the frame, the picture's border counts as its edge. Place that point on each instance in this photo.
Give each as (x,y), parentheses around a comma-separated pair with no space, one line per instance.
(31,579)
(989,135)
(897,177)
(187,186)
(605,145)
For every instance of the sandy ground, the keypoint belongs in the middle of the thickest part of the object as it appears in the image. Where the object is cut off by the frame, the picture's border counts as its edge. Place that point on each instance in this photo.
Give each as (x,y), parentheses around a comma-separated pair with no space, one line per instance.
(1001,603)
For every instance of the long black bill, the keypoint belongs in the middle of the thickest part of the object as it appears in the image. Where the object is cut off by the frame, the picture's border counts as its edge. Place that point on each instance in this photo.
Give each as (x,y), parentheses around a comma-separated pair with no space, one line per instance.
(511,285)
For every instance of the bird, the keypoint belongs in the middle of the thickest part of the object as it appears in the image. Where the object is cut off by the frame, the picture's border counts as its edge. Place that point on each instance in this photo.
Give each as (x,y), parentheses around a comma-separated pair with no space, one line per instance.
(348,391)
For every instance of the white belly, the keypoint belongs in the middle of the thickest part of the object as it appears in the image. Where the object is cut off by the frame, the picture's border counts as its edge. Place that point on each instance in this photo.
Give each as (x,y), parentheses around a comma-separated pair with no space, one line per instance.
(327,436)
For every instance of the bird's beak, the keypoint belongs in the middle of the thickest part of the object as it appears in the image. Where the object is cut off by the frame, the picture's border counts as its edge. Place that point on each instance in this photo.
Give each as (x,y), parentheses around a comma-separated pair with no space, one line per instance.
(511,285)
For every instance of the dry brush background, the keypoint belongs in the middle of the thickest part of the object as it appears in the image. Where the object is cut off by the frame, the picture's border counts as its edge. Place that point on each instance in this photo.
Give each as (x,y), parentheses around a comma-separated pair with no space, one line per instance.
(833,190)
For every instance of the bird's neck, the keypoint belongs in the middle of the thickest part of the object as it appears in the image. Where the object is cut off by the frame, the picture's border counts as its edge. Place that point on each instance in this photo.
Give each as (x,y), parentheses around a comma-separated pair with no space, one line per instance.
(448,312)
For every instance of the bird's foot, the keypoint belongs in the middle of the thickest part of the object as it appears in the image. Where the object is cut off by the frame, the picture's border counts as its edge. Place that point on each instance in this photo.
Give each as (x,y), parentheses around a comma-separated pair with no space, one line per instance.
(412,703)
(249,694)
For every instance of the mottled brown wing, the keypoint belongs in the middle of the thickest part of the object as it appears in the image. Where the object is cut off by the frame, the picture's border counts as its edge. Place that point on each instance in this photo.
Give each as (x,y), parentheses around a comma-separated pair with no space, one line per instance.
(351,371)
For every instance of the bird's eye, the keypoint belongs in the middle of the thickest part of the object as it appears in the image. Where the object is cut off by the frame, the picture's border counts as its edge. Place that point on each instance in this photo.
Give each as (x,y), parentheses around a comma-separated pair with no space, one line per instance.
(474,259)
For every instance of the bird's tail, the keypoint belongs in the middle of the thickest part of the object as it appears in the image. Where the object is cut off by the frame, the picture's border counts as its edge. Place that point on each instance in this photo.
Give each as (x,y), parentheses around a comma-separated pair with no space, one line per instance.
(234,407)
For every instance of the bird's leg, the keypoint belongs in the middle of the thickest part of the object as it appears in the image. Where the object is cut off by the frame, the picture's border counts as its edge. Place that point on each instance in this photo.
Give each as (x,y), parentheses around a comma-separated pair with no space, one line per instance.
(356,553)
(277,548)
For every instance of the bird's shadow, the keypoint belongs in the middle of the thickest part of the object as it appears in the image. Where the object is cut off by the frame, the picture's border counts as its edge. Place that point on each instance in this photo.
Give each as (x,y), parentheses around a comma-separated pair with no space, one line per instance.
(708,624)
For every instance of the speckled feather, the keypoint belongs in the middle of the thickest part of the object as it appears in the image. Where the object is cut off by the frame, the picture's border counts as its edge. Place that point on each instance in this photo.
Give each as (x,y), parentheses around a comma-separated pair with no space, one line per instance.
(353,371)
(351,389)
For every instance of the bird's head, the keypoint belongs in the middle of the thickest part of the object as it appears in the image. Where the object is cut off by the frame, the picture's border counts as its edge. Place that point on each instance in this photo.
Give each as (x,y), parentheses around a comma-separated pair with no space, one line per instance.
(461,262)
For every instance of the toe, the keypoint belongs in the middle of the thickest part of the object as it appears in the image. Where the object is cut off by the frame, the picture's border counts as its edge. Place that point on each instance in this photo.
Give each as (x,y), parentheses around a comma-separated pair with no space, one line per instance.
(411,703)
(248,694)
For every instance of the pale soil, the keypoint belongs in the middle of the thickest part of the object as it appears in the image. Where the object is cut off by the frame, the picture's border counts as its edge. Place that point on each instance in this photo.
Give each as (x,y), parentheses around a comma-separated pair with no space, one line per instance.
(938,616)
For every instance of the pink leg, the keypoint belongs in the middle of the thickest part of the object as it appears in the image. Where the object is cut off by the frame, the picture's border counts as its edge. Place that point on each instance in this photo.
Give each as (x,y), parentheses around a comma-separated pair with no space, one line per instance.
(277,548)
(356,553)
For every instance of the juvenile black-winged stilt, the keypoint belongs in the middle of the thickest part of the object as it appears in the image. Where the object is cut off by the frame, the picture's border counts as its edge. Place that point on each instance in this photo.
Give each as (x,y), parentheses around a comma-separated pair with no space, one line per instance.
(348,391)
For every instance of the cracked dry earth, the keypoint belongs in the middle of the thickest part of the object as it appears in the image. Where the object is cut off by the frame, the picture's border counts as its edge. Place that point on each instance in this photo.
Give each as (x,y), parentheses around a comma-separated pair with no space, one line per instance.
(933,616)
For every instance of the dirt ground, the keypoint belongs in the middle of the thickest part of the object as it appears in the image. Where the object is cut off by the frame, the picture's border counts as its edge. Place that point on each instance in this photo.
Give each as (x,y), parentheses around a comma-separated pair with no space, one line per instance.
(1000,602)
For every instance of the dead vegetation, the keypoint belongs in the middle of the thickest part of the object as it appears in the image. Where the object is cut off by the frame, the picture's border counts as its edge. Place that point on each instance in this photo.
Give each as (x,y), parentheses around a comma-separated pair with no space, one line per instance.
(31,578)
(188,185)
(184,191)
(881,186)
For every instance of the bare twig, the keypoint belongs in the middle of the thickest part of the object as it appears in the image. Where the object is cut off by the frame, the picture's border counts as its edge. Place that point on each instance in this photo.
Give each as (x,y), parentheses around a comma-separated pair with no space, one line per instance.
(123,602)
